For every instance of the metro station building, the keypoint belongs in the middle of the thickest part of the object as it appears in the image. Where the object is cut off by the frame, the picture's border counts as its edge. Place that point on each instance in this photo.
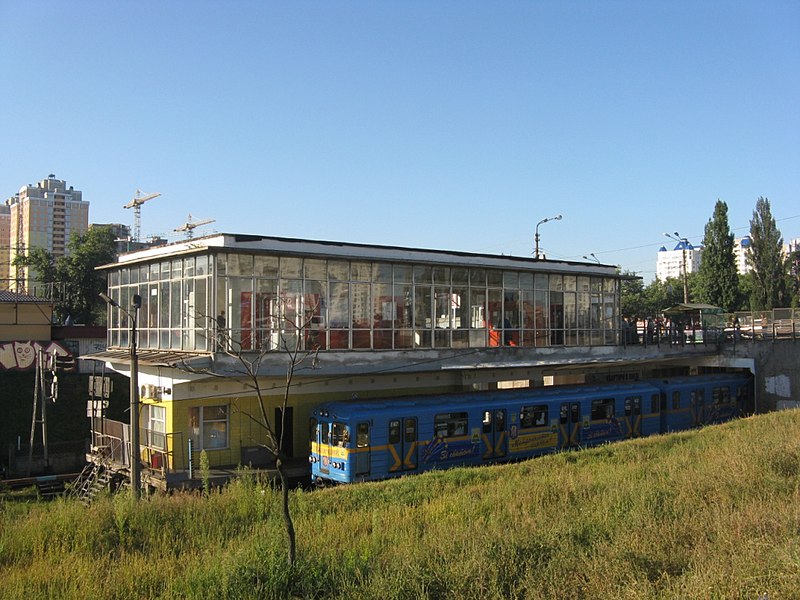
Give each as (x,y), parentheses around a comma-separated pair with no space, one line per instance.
(369,321)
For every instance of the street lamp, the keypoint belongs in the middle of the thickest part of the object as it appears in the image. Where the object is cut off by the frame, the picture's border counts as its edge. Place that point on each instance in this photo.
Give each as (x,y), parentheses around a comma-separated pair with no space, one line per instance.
(683,242)
(536,236)
(592,257)
(136,477)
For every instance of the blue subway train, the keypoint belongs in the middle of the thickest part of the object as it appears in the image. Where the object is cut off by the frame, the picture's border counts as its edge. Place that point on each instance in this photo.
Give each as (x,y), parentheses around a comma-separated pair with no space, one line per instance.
(364,440)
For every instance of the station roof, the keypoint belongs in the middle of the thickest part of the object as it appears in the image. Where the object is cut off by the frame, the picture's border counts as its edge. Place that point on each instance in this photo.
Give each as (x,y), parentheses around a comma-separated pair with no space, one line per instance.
(257,244)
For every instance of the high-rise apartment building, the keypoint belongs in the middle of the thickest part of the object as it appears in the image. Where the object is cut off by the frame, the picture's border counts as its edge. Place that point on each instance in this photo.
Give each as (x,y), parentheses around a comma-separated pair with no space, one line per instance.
(5,248)
(44,215)
(670,263)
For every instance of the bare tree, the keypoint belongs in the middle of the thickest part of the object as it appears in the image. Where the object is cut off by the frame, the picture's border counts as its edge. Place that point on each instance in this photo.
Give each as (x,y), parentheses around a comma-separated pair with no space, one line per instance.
(246,368)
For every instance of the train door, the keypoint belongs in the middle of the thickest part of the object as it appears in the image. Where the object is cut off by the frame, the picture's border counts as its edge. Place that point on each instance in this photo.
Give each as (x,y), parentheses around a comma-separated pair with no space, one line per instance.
(697,402)
(570,424)
(362,449)
(410,443)
(633,416)
(499,437)
(403,444)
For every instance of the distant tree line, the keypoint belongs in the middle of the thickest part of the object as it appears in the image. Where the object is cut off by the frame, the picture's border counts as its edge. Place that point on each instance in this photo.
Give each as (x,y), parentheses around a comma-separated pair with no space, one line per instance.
(773,280)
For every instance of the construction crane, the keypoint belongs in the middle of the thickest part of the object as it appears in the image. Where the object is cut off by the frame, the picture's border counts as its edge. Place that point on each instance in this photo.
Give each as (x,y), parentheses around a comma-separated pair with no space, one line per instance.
(136,205)
(190,226)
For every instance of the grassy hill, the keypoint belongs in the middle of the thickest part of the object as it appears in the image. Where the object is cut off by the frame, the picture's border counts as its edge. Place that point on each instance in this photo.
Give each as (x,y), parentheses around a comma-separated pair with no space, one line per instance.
(713,513)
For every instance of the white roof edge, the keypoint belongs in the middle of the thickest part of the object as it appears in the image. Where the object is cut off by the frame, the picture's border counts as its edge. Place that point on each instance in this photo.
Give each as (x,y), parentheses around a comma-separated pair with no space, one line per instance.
(350,250)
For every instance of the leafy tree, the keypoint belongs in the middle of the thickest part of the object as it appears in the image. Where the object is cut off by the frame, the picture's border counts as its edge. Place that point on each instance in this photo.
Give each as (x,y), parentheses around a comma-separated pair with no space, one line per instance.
(718,280)
(765,256)
(82,282)
(71,281)
(632,297)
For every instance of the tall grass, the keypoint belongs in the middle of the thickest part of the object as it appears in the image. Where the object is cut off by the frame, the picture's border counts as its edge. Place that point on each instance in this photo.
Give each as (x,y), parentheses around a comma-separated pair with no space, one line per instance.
(713,513)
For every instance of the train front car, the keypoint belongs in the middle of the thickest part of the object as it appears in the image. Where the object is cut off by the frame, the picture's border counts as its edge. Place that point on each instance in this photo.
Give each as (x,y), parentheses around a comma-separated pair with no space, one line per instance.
(333,453)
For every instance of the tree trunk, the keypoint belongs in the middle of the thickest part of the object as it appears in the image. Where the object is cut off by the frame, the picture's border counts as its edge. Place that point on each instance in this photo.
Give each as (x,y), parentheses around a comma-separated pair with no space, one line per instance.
(287,517)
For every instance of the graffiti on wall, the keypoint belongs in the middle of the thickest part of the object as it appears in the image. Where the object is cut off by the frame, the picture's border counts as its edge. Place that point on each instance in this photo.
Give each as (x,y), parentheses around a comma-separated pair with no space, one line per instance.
(21,356)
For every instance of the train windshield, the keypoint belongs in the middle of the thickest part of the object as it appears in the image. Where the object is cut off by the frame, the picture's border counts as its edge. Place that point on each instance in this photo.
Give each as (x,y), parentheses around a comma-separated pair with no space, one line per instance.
(340,434)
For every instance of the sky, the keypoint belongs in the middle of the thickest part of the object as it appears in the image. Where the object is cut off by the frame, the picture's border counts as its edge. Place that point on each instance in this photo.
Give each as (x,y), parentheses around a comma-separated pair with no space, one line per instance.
(454,125)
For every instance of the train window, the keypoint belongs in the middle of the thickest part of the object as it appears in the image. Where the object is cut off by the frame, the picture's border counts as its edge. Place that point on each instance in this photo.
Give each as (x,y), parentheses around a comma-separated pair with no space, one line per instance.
(697,397)
(411,430)
(340,436)
(450,424)
(676,400)
(362,435)
(721,394)
(323,433)
(500,420)
(655,403)
(533,416)
(628,404)
(602,409)
(564,416)
(312,429)
(487,421)
(394,431)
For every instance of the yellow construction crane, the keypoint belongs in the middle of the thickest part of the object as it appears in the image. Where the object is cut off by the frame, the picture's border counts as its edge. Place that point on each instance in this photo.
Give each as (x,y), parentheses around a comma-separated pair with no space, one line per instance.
(136,205)
(190,226)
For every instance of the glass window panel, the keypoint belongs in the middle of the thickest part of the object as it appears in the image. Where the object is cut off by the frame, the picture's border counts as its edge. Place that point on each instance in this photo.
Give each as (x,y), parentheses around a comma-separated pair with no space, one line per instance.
(177,269)
(556,282)
(188,266)
(583,284)
(315,268)
(570,284)
(315,314)
(124,276)
(360,271)
(362,305)
(113,278)
(526,281)
(339,309)
(134,275)
(460,305)
(443,307)
(265,266)
(144,273)
(441,275)
(382,273)
(460,275)
(164,270)
(402,306)
(541,281)
(267,314)
(510,279)
(422,307)
(338,270)
(240,264)
(402,273)
(477,277)
(291,267)
(422,274)
(163,315)
(494,278)
(201,265)
(176,304)
(383,308)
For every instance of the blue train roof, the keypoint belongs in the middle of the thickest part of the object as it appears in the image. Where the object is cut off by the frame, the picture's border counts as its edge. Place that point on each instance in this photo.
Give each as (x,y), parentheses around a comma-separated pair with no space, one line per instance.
(565,393)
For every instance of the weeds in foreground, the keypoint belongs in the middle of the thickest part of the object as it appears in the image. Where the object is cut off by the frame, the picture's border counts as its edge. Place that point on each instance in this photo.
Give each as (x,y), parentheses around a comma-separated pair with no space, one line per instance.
(712,513)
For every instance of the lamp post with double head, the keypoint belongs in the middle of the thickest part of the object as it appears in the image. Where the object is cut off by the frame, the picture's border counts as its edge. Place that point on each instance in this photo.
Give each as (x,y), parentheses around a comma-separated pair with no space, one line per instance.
(536,233)
(136,473)
(684,243)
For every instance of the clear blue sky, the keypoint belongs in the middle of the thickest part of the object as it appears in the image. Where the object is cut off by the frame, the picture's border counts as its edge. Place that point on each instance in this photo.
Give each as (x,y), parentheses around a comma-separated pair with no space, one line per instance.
(454,125)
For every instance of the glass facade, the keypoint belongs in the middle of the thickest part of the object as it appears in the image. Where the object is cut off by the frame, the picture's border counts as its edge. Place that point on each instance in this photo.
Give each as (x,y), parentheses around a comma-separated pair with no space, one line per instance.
(260,302)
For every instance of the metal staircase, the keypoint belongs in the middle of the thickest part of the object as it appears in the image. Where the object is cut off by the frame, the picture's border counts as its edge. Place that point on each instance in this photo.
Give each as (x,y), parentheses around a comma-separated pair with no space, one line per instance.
(97,478)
